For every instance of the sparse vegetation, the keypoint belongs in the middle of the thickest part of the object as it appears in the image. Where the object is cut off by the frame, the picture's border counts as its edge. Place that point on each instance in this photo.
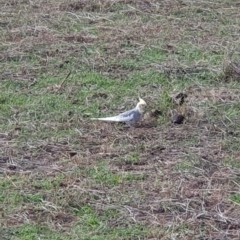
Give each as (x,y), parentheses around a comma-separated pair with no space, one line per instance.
(65,177)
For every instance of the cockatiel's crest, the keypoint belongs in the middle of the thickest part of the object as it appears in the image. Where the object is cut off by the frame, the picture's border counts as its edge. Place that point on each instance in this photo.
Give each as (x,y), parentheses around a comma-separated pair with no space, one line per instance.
(130,117)
(141,105)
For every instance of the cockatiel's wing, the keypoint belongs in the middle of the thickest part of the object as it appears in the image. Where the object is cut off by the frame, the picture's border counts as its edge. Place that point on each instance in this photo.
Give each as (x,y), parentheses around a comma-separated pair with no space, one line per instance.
(132,115)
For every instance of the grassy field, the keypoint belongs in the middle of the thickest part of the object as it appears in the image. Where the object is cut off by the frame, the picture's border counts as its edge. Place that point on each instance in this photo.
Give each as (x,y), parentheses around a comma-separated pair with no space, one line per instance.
(63,176)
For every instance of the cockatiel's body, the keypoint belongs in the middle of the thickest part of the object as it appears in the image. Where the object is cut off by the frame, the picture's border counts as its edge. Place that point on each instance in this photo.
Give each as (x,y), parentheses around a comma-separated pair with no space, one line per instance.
(130,117)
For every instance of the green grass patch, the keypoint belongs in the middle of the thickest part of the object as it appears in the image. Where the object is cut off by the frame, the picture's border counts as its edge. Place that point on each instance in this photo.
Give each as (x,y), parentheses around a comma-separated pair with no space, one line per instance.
(235,198)
(101,174)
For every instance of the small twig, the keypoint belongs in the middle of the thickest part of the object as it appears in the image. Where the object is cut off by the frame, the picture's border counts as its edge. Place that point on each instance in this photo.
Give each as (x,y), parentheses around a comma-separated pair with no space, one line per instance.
(62,83)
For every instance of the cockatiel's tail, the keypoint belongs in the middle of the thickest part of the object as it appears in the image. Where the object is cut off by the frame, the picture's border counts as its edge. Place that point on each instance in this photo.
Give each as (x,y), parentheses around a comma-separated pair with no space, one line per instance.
(108,119)
(129,117)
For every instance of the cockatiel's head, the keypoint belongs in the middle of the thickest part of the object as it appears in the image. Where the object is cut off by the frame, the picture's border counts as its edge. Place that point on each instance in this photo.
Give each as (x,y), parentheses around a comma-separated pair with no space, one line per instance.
(141,105)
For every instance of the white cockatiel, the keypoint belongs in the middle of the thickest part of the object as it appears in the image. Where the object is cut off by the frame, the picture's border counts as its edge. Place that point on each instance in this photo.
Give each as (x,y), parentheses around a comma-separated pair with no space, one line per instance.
(130,117)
